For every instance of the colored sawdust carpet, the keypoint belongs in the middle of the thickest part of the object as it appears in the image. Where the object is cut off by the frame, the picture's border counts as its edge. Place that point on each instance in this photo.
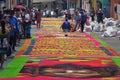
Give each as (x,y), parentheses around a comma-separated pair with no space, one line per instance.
(82,45)
(24,47)
(102,42)
(69,69)
(52,19)
(55,55)
(52,23)
(106,45)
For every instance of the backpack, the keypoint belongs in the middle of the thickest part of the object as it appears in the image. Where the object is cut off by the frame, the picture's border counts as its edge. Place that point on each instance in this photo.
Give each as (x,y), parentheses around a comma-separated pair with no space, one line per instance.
(3,44)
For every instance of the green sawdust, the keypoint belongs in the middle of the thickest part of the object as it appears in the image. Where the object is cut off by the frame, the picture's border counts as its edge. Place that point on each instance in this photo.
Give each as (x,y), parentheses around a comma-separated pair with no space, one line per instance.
(14,67)
(117,61)
(99,40)
(33,36)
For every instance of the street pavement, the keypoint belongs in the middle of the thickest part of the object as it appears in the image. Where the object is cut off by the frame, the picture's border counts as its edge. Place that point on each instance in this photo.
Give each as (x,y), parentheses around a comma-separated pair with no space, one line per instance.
(113,42)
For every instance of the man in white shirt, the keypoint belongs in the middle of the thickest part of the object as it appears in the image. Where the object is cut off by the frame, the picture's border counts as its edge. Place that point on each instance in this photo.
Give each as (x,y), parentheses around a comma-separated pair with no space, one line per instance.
(28,24)
(27,17)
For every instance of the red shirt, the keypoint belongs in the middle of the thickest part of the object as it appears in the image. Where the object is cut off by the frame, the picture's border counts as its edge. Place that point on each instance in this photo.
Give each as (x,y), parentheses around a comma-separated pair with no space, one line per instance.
(39,15)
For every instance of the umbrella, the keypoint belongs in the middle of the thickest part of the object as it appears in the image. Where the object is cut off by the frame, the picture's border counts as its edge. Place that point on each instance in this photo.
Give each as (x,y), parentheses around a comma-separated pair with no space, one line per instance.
(19,7)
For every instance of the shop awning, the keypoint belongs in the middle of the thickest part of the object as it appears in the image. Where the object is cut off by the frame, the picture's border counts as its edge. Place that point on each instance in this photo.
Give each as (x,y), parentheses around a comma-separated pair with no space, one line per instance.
(38,1)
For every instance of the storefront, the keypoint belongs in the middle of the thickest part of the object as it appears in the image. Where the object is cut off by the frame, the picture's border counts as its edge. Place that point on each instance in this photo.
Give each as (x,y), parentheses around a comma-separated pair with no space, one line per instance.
(44,4)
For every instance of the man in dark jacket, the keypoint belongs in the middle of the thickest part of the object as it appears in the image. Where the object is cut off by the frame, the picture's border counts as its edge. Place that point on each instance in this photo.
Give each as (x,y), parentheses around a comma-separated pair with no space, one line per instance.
(100,16)
(83,20)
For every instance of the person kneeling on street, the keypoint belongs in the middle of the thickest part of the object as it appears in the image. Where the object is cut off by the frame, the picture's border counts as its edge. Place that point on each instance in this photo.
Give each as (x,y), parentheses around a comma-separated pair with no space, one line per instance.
(66,26)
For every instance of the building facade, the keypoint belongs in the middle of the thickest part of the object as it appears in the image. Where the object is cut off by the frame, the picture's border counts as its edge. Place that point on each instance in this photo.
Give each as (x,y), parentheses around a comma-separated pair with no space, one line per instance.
(9,4)
(105,4)
(53,4)
(75,4)
(113,13)
(44,4)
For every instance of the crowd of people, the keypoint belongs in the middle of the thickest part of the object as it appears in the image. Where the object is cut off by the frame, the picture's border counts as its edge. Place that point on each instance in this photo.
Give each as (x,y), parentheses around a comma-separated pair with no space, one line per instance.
(82,21)
(14,26)
(80,17)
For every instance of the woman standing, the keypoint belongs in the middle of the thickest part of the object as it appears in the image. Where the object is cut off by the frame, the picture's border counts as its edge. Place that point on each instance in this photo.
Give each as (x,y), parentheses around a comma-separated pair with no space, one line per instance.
(4,42)
(7,25)
(28,24)
(39,16)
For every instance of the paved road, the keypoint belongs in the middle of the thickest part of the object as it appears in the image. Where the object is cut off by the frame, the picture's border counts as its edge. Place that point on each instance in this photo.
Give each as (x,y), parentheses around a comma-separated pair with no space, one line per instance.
(114,42)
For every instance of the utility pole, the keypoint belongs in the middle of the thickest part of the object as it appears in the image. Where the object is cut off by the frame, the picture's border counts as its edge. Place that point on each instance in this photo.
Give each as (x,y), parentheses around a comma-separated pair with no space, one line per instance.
(67,4)
(80,3)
